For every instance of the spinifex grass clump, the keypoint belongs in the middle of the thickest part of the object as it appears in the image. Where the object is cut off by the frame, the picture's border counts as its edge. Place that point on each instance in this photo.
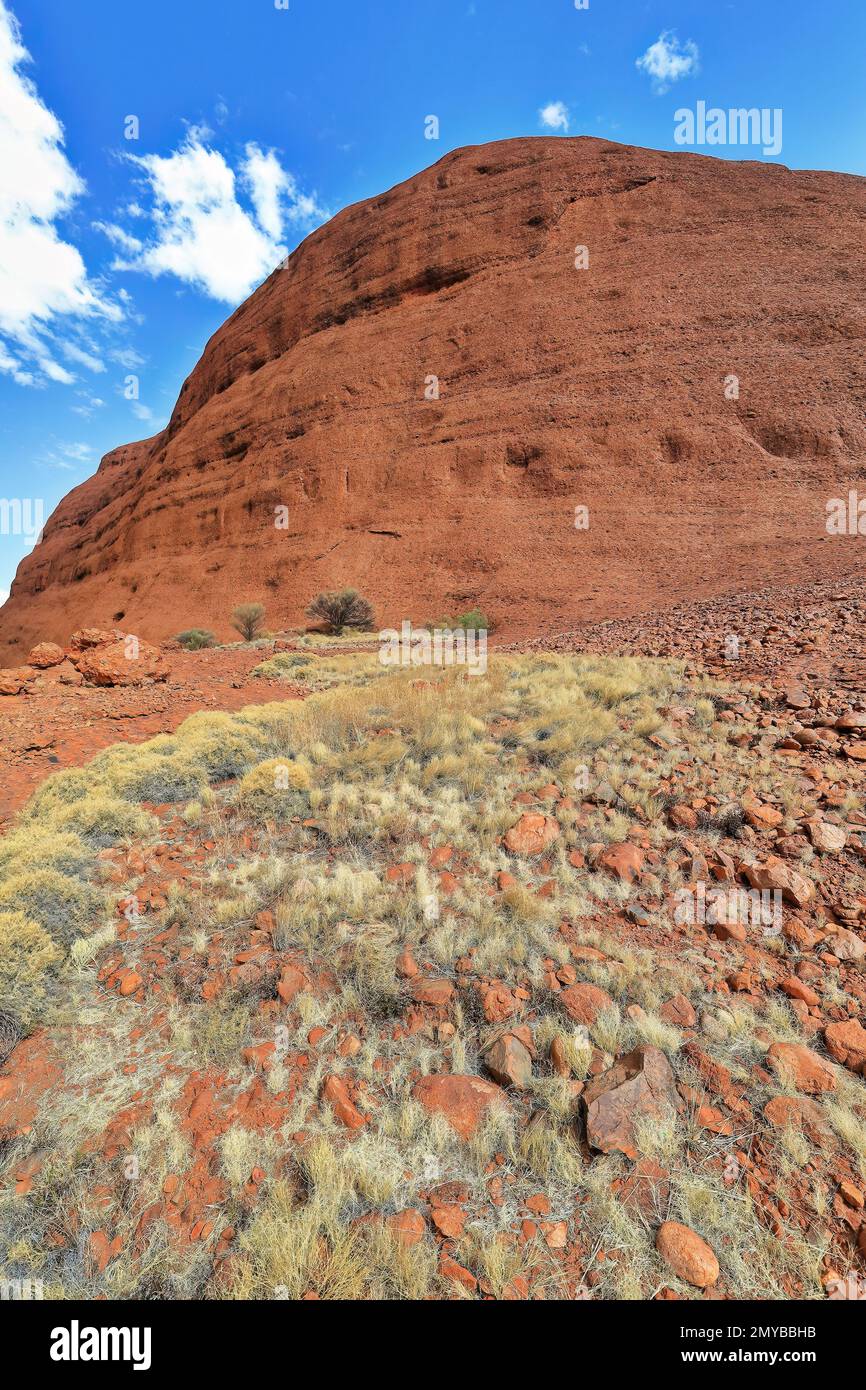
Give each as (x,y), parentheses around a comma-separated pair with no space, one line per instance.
(277,789)
(352,863)
(28,956)
(321,673)
(66,907)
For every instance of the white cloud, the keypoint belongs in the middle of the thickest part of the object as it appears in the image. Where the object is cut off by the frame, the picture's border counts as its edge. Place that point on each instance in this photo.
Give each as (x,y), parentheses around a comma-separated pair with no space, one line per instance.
(42,276)
(4,594)
(127,357)
(554,116)
(204,235)
(667,60)
(79,452)
(13,367)
(52,369)
(118,237)
(268,182)
(84,359)
(91,403)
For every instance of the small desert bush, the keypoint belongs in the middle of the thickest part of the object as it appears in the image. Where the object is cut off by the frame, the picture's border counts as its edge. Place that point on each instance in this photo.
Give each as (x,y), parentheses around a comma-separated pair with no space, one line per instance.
(222,745)
(64,907)
(277,789)
(473,621)
(159,776)
(27,955)
(340,609)
(34,846)
(101,821)
(349,668)
(248,619)
(196,639)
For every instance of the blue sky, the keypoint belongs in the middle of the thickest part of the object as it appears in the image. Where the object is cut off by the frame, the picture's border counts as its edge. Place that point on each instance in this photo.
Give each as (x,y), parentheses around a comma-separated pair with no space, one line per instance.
(120,256)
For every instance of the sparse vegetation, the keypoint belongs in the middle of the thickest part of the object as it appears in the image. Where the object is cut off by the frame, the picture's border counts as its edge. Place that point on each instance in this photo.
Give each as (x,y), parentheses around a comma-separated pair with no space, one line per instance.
(341,919)
(196,639)
(340,609)
(473,621)
(248,619)
(27,956)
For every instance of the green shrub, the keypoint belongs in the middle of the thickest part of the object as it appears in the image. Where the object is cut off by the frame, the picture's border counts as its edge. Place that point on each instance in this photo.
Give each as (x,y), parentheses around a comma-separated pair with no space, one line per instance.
(474,621)
(195,639)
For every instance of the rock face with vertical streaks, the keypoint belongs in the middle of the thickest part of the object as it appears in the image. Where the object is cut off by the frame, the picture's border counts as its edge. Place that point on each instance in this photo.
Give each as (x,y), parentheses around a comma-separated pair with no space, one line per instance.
(558,388)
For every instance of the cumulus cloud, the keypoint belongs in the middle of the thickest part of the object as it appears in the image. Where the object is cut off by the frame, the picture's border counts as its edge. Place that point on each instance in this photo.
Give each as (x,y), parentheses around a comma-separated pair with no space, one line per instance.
(554,116)
(4,594)
(667,60)
(42,277)
(203,232)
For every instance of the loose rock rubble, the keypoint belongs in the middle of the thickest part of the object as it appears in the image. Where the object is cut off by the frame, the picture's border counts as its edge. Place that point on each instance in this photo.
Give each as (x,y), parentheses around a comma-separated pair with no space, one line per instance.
(653,1054)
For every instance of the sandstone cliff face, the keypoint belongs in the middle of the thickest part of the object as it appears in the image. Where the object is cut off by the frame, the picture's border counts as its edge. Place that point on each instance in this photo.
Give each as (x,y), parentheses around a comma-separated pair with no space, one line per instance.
(559,388)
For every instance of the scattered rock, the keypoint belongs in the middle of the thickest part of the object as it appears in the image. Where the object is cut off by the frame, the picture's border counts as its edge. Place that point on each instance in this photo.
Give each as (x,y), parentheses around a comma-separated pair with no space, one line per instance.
(292,981)
(639,1087)
(13,680)
(532,834)
(584,1002)
(807,1114)
(409,1226)
(775,874)
(679,1011)
(87,637)
(846,946)
(336,1093)
(624,861)
(437,993)
(462,1100)
(801,1067)
(690,1258)
(124,663)
(829,838)
(847,1043)
(46,654)
(509,1062)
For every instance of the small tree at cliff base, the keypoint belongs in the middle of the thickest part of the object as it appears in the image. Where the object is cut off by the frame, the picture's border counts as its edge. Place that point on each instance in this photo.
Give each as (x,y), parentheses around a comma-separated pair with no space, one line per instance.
(247,619)
(340,609)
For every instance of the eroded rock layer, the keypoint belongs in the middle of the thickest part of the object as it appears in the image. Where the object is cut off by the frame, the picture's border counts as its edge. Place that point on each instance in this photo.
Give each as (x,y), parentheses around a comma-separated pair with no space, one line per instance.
(559,388)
